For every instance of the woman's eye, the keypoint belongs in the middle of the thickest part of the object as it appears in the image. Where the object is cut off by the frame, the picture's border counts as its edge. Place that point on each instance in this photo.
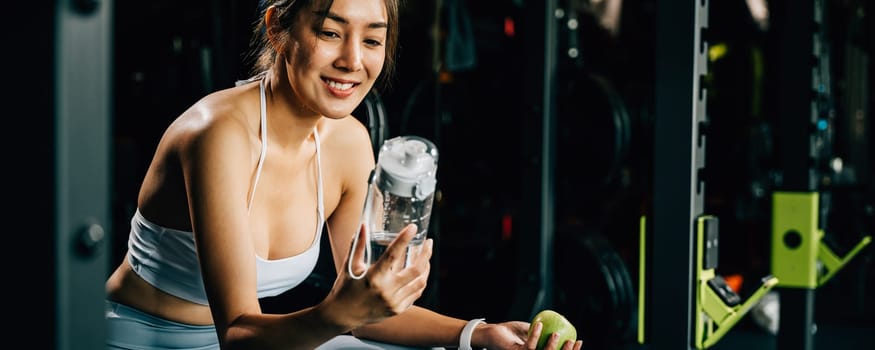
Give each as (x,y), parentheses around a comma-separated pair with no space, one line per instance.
(329,34)
(373,42)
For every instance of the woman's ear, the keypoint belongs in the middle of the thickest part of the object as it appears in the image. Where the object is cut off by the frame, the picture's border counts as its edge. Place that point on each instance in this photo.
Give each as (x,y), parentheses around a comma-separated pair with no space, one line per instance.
(269,27)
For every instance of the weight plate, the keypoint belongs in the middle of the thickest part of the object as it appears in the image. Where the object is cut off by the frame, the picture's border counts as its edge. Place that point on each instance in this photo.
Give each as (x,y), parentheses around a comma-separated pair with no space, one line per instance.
(593,288)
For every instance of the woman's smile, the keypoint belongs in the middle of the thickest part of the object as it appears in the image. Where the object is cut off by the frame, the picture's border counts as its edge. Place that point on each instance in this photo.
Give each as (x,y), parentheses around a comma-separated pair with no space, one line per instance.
(340,88)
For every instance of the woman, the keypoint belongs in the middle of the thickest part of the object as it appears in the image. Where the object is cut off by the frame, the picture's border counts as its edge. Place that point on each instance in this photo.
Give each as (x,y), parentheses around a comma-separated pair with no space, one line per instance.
(240,187)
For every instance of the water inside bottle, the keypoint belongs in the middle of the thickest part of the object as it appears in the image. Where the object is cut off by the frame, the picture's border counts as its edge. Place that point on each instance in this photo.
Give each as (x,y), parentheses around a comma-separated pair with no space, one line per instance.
(380,242)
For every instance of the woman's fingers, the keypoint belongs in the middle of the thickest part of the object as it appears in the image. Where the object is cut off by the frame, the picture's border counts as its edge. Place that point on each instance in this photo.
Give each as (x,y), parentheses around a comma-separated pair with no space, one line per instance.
(532,341)
(402,279)
(552,341)
(409,294)
(395,256)
(389,286)
(415,277)
(423,252)
(572,345)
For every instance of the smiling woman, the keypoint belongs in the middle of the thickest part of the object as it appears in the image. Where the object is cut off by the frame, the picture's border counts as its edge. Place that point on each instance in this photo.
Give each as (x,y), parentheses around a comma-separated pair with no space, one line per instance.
(241,186)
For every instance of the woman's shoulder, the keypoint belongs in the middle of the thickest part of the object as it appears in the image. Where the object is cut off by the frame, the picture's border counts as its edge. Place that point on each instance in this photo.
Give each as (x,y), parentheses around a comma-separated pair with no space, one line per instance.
(222,117)
(227,110)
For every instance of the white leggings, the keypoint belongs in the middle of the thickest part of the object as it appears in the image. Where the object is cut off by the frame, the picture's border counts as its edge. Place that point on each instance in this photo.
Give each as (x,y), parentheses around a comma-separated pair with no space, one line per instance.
(131,329)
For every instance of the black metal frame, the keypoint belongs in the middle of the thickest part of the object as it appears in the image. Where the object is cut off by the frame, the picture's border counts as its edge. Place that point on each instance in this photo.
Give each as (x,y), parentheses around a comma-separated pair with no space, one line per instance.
(679,158)
(795,61)
(535,245)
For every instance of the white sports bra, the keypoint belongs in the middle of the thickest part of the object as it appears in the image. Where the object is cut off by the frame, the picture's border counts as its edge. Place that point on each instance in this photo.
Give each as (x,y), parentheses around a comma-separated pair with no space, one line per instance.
(167,258)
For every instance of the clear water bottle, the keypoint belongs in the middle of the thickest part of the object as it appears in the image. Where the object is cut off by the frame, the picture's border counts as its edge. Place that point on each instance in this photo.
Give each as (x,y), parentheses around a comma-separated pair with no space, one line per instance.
(400,192)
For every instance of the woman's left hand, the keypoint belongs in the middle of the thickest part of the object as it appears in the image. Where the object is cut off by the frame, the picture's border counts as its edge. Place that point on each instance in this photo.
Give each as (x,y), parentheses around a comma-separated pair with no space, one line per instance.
(514,335)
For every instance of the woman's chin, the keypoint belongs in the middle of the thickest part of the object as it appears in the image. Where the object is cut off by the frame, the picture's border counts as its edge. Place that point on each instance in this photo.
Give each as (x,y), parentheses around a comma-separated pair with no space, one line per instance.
(337,114)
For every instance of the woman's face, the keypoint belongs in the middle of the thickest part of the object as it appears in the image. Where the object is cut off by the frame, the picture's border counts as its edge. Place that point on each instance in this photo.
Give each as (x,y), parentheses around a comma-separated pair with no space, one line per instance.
(332,66)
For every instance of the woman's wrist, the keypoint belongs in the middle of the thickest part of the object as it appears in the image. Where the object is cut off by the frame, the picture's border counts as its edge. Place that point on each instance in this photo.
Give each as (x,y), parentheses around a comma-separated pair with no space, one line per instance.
(336,317)
(468,333)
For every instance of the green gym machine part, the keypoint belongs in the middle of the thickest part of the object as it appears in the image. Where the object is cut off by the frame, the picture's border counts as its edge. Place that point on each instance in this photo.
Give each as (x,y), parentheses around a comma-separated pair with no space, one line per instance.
(799,257)
(718,307)
(642,253)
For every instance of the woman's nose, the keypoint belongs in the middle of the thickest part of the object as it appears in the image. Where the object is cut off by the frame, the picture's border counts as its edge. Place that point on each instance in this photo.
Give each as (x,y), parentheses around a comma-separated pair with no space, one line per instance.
(350,58)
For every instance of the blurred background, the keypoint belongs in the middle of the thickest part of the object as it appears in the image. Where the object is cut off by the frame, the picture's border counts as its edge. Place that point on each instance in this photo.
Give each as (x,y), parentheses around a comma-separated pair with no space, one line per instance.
(529,214)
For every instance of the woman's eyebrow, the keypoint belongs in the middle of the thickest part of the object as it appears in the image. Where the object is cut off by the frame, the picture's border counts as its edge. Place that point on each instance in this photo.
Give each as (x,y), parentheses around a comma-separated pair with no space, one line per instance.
(340,19)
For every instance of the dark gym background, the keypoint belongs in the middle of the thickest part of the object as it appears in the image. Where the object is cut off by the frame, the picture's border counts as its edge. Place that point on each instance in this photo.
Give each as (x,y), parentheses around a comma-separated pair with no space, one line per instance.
(465,91)
(469,75)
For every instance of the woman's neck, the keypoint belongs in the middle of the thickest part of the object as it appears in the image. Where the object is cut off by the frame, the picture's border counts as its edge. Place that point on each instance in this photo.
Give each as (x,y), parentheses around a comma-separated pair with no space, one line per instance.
(289,122)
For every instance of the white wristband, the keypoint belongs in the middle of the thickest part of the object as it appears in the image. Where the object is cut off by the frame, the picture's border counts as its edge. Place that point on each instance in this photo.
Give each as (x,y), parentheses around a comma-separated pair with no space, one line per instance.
(465,338)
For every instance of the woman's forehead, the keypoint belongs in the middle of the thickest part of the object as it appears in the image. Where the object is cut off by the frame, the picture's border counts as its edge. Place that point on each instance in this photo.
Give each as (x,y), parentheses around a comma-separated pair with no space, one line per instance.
(373,9)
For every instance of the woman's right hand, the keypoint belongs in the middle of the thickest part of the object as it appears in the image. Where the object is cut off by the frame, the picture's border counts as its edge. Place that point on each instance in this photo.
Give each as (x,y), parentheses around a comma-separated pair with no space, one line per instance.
(387,288)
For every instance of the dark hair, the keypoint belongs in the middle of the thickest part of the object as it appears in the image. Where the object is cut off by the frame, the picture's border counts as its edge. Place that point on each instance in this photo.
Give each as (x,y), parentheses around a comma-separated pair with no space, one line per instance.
(263,54)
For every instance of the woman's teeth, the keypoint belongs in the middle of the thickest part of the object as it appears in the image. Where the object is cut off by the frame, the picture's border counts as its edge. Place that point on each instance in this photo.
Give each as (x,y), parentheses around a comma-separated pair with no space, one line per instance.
(339,86)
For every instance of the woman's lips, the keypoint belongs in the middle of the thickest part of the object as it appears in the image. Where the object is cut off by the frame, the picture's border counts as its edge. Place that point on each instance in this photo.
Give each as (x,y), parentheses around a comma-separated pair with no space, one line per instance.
(340,88)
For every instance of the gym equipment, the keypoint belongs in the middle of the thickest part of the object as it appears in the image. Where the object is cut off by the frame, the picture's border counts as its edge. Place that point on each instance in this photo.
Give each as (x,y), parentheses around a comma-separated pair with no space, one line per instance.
(683,302)
(372,113)
(799,254)
(603,305)
(678,200)
(718,307)
(589,103)
(70,187)
(801,259)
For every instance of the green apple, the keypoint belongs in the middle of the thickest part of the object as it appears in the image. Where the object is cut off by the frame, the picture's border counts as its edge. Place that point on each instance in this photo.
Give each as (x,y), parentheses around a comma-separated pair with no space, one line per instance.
(553,322)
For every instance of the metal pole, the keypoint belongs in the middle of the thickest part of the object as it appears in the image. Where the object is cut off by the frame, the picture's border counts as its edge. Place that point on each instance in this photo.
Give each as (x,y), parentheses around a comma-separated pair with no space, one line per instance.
(535,246)
(83,58)
(679,157)
(796,56)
